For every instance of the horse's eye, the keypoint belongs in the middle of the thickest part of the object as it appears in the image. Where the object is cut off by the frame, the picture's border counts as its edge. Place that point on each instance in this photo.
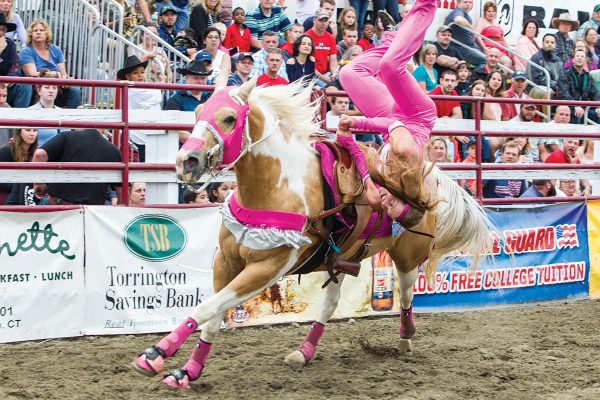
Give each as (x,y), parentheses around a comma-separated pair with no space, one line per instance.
(229,120)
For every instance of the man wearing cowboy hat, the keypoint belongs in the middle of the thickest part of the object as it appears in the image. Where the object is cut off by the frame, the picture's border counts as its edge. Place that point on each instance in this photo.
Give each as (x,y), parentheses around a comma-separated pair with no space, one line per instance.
(564,44)
(196,73)
(18,95)
(594,22)
(134,70)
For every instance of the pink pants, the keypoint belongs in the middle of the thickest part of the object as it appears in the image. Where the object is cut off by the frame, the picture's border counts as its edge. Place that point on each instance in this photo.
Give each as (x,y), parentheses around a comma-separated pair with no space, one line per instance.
(397,95)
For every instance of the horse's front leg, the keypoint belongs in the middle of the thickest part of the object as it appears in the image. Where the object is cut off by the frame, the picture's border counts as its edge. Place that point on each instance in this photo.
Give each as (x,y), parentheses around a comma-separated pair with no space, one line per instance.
(247,284)
(307,349)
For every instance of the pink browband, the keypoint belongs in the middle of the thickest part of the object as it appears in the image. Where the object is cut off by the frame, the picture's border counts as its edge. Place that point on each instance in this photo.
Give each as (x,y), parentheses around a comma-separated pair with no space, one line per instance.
(266,218)
(405,211)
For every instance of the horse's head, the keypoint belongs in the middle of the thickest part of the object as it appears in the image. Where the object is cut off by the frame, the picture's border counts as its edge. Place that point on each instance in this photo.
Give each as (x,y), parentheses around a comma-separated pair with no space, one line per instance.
(218,135)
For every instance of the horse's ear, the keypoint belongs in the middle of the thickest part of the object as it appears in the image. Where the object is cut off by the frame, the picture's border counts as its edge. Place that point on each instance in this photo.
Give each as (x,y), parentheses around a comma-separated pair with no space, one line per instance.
(221,81)
(198,110)
(246,88)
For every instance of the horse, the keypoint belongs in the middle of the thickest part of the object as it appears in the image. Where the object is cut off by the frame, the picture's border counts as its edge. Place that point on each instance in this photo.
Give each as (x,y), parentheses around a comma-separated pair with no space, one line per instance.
(266,132)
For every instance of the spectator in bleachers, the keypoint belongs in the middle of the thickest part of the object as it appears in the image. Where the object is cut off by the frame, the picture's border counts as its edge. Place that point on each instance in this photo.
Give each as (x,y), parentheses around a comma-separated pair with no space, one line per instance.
(204,14)
(221,60)
(306,9)
(137,194)
(134,70)
(524,149)
(476,89)
(527,44)
(406,7)
(590,65)
(166,27)
(537,148)
(153,51)
(339,106)
(438,150)
(237,37)
(495,85)
(367,40)
(516,91)
(448,53)
(222,31)
(274,62)
(470,185)
(566,154)
(191,197)
(585,152)
(547,59)
(5,133)
(391,6)
(590,38)
(130,18)
(243,66)
(325,47)
(505,188)
(593,22)
(350,39)
(450,108)
(291,35)
(541,188)
(564,44)
(195,73)
(346,21)
(463,76)
(460,16)
(349,55)
(266,17)
(87,145)
(7,7)
(568,188)
(361,8)
(142,6)
(226,13)
(575,83)
(302,64)
(185,42)
(218,191)
(46,97)
(489,27)
(18,95)
(20,149)
(379,31)
(425,74)
(492,59)
(41,54)
(331,27)
(270,40)
(562,115)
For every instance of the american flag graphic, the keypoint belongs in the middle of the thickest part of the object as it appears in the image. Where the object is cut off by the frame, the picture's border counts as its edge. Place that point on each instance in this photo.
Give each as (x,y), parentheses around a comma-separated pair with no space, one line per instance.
(566,236)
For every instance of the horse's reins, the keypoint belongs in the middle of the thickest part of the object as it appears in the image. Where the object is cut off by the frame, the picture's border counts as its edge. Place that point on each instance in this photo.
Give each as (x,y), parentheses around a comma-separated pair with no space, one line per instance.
(216,171)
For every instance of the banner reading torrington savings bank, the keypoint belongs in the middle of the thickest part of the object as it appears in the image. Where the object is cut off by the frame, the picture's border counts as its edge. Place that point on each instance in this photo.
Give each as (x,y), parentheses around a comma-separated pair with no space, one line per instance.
(550,261)
(41,275)
(147,268)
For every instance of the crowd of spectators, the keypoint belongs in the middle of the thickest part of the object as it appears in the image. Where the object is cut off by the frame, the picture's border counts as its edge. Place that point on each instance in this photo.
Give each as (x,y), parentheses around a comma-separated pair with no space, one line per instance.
(277,48)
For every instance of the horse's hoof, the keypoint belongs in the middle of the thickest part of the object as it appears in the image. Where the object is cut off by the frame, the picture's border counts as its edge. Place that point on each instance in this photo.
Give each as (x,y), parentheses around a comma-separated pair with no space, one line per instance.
(295,360)
(148,363)
(177,379)
(405,346)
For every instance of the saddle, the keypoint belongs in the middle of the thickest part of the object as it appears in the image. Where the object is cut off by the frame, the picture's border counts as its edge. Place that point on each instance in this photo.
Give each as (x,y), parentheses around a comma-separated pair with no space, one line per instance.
(349,189)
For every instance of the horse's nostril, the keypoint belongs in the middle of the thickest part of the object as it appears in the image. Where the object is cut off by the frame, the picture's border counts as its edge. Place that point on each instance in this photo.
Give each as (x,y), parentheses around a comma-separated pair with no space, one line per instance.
(190,164)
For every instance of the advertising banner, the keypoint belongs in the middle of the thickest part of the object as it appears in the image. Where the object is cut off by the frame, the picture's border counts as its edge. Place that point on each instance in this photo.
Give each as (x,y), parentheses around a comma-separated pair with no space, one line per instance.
(41,275)
(147,268)
(594,237)
(549,260)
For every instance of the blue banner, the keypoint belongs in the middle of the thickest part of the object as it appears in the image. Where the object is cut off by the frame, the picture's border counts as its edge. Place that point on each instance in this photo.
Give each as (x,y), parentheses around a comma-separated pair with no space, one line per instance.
(545,257)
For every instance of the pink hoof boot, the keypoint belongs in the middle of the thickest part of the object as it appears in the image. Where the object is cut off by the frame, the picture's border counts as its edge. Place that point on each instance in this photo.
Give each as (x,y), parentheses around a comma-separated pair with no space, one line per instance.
(150,362)
(177,379)
(407,325)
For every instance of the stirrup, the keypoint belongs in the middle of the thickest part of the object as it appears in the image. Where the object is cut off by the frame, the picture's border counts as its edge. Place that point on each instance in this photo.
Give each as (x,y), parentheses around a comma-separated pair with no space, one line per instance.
(389,24)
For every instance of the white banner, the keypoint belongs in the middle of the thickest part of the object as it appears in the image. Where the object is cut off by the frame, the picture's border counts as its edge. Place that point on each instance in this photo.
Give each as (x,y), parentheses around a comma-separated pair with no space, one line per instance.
(147,268)
(41,275)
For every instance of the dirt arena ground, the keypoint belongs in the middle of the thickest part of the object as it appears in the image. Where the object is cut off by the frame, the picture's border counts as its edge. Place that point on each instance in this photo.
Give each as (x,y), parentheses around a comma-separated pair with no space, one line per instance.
(549,351)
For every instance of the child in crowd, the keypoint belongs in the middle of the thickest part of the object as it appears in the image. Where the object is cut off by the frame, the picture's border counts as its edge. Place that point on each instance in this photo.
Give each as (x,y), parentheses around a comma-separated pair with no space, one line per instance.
(191,197)
(291,35)
(237,36)
(368,35)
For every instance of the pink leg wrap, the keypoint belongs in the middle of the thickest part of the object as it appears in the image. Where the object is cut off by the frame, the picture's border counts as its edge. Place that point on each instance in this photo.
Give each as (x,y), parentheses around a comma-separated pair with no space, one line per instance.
(407,325)
(311,341)
(173,341)
(196,362)
(360,161)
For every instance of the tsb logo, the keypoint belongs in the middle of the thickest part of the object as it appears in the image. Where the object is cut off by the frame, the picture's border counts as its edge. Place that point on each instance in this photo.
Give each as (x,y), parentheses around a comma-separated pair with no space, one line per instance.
(154,237)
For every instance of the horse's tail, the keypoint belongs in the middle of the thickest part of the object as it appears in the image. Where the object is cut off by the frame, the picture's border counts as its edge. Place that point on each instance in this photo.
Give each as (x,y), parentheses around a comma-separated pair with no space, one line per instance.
(462,226)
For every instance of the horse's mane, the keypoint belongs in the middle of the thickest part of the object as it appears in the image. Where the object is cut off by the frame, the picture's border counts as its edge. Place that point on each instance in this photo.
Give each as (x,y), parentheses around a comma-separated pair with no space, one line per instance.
(293,105)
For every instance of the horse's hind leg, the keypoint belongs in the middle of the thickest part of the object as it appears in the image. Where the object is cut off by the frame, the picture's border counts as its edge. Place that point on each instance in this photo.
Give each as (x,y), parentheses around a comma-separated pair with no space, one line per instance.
(307,349)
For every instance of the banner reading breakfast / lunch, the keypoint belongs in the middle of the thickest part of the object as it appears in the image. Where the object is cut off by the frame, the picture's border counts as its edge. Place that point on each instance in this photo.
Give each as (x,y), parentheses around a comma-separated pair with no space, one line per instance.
(41,275)
(147,268)
(594,238)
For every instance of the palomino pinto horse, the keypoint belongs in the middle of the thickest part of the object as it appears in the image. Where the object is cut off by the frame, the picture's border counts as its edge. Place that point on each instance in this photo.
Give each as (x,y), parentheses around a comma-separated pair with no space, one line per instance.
(266,132)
